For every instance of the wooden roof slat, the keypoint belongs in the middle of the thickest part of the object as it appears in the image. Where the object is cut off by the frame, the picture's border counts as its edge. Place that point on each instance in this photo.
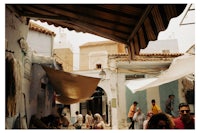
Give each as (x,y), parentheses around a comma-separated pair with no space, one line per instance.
(140,22)
(91,11)
(131,24)
(138,9)
(90,20)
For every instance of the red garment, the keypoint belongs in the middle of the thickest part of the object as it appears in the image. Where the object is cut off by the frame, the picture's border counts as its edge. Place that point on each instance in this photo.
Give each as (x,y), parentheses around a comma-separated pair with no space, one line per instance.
(178,123)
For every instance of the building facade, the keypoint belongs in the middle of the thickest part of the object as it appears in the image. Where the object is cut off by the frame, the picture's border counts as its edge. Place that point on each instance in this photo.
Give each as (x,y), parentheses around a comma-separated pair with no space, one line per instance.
(93,55)
(26,98)
(64,56)
(118,71)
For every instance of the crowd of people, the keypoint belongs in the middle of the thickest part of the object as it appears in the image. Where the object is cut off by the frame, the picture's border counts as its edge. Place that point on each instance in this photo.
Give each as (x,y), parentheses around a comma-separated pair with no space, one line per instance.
(91,122)
(158,119)
(60,120)
(154,119)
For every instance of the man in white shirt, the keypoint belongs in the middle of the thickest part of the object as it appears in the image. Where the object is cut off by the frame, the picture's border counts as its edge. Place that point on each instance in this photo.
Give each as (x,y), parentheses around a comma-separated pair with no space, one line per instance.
(78,124)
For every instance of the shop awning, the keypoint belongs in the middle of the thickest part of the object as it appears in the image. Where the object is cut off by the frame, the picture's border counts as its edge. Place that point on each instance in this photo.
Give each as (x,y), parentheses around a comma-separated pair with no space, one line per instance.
(180,67)
(131,24)
(71,88)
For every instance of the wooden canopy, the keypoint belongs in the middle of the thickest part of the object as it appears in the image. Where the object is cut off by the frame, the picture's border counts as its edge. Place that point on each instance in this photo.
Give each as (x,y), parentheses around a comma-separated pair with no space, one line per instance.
(131,24)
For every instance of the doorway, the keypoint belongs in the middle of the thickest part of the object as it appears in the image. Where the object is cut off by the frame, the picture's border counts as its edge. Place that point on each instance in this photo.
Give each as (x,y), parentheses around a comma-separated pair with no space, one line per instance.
(97,104)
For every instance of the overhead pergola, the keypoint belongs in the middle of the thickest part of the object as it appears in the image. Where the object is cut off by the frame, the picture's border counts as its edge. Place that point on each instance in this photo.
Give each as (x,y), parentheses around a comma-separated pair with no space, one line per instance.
(131,24)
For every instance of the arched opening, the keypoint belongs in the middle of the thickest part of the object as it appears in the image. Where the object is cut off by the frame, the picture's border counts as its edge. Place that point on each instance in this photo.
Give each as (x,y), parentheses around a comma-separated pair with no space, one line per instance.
(96,104)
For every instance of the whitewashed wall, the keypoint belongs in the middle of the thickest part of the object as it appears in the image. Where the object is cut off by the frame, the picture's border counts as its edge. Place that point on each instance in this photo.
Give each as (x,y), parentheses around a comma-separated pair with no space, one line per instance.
(40,42)
(121,96)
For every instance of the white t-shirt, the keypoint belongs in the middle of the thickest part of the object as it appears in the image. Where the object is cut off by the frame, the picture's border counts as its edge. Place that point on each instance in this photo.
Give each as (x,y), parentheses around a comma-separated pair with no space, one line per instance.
(80,119)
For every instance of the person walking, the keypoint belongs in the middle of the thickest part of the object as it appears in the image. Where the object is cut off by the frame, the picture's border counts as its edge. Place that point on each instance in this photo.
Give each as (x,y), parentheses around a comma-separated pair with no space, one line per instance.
(138,119)
(145,123)
(79,122)
(98,122)
(131,113)
(184,121)
(89,120)
(169,105)
(155,108)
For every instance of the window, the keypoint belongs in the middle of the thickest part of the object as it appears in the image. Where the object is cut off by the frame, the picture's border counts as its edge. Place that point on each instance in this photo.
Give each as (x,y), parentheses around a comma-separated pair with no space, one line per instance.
(134,76)
(98,66)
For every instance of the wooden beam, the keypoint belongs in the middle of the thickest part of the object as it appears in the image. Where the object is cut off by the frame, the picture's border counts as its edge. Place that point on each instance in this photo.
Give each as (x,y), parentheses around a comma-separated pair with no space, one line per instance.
(141,21)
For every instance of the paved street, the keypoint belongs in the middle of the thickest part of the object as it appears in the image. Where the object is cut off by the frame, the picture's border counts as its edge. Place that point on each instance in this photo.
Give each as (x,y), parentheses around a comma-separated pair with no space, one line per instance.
(71,127)
(107,127)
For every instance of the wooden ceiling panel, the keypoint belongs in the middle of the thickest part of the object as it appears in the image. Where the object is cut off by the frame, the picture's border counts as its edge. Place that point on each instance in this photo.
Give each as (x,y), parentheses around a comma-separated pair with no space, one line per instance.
(131,24)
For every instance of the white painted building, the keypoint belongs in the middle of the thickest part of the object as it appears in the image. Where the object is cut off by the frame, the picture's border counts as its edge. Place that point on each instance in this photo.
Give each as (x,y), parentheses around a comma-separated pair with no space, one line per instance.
(40,39)
(120,70)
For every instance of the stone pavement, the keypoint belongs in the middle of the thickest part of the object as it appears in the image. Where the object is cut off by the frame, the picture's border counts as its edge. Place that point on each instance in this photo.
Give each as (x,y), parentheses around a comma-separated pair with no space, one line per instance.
(71,127)
(107,127)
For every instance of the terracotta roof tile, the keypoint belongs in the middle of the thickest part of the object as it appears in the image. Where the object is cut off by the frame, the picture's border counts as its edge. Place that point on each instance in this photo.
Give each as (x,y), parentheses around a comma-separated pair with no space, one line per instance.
(36,27)
(109,42)
(147,57)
